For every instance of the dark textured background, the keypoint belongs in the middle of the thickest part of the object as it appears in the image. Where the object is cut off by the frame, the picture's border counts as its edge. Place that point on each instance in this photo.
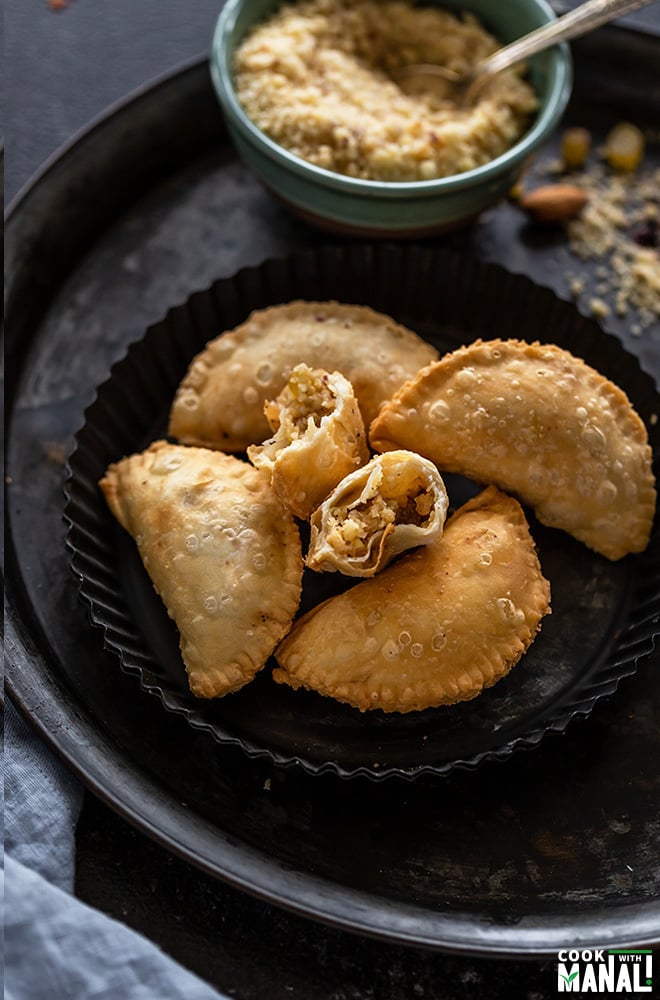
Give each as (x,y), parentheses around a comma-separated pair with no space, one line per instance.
(61,70)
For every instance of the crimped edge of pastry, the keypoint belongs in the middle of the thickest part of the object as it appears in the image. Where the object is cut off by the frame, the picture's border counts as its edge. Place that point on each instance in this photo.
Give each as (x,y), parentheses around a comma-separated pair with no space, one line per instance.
(221,348)
(484,672)
(215,681)
(435,375)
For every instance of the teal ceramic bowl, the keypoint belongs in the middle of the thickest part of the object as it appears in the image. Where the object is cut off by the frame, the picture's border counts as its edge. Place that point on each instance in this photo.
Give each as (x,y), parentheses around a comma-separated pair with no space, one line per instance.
(358,207)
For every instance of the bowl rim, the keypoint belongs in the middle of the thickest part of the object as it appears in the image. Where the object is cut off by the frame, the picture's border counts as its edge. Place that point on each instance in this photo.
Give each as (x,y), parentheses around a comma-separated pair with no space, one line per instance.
(548,117)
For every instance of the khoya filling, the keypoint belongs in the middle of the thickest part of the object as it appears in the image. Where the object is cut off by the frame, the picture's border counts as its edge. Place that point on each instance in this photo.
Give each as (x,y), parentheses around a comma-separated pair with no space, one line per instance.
(355,528)
(301,407)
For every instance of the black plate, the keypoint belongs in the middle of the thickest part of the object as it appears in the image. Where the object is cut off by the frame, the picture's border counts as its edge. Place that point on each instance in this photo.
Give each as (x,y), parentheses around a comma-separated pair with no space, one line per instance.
(556,849)
(604,614)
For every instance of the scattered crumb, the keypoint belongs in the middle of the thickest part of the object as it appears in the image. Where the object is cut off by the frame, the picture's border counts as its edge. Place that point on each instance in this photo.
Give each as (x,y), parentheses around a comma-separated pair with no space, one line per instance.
(556,167)
(618,229)
(599,308)
(606,229)
(267,784)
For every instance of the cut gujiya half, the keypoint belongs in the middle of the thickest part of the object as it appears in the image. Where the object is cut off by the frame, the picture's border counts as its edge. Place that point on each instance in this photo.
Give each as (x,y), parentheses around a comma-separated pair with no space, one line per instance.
(319,438)
(395,502)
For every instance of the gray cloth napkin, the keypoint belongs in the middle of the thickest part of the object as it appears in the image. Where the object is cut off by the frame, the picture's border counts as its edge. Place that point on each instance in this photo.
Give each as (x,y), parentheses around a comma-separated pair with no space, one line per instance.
(55,945)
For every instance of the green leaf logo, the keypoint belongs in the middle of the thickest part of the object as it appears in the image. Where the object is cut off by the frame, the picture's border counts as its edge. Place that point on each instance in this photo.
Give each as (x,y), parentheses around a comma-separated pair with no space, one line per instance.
(569,979)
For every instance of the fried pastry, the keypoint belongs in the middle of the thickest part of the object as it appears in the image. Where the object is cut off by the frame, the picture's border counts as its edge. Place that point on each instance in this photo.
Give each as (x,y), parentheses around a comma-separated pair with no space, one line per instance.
(395,502)
(437,627)
(220,401)
(221,551)
(540,423)
(319,438)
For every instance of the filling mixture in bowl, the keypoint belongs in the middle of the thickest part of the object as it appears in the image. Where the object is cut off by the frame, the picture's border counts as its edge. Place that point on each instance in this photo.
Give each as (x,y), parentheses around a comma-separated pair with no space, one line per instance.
(317,78)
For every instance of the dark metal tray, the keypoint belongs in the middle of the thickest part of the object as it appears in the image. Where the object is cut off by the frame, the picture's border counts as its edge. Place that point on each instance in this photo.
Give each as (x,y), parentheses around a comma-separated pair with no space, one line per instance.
(554,849)
(604,614)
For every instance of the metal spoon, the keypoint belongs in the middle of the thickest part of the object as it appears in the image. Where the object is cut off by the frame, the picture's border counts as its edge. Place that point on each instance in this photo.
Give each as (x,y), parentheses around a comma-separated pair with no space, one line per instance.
(466,86)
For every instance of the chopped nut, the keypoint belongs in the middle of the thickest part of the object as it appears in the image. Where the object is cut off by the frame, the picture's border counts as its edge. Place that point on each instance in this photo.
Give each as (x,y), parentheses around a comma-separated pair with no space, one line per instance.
(554,202)
(624,147)
(575,146)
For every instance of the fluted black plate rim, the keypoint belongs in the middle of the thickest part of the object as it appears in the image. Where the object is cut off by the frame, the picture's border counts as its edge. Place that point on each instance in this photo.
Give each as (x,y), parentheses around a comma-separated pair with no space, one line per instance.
(447,298)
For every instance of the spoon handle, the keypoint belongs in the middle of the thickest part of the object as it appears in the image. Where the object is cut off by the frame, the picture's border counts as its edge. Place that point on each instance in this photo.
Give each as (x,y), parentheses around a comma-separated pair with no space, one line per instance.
(577,22)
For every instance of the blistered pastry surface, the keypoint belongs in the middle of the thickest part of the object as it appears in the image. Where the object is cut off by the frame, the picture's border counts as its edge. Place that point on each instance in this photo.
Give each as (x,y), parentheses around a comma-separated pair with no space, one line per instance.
(221,551)
(220,401)
(539,423)
(436,627)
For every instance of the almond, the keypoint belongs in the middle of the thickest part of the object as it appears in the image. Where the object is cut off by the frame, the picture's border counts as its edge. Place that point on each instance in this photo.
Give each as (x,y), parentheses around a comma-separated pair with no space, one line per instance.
(554,202)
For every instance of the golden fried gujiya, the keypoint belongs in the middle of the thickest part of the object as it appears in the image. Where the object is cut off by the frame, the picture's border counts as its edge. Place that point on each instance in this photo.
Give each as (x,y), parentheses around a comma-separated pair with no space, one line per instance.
(220,402)
(437,627)
(221,551)
(540,423)
(394,503)
(319,438)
